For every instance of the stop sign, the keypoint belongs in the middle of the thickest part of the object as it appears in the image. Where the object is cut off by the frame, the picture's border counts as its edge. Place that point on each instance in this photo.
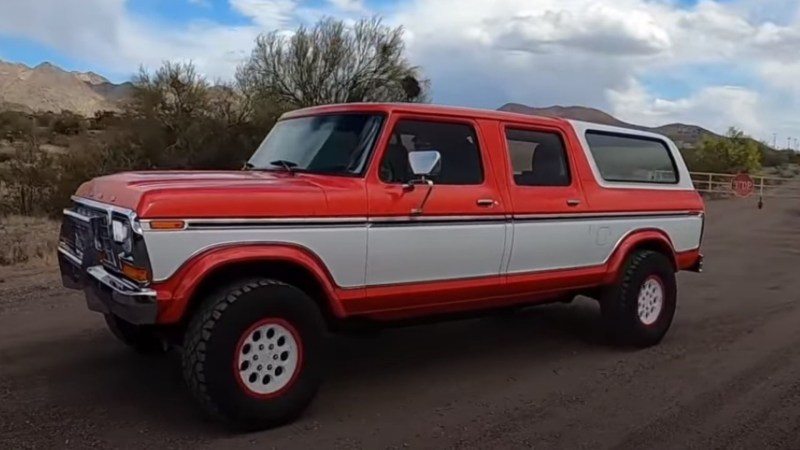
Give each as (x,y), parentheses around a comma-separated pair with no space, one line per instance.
(742,185)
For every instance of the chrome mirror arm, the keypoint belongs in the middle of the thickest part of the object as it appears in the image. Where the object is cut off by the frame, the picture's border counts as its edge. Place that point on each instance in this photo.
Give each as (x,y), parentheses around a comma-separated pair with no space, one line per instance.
(417,211)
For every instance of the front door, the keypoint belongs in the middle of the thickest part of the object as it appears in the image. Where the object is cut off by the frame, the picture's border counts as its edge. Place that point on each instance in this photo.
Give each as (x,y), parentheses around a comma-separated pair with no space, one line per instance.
(460,233)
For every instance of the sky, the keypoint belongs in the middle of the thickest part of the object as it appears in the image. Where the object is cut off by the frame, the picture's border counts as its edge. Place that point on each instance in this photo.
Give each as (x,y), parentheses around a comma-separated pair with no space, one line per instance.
(712,63)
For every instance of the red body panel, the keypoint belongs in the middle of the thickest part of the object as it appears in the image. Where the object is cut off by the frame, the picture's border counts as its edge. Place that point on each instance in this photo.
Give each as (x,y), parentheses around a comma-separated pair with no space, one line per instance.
(221,194)
(255,194)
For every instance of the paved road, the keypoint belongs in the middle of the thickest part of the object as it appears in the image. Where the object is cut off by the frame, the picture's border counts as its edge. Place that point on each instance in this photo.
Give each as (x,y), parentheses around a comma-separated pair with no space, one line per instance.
(727,375)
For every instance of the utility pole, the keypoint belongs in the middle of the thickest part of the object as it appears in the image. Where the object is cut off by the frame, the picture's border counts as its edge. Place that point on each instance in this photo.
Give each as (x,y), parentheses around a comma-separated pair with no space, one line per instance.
(775,141)
(788,143)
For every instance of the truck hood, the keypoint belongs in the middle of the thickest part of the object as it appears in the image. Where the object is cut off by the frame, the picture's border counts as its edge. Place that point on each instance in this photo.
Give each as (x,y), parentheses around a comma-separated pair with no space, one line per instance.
(223,194)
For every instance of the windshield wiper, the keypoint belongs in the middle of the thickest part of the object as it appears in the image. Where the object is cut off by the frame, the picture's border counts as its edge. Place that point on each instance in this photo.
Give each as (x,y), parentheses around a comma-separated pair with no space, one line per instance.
(288,165)
(248,165)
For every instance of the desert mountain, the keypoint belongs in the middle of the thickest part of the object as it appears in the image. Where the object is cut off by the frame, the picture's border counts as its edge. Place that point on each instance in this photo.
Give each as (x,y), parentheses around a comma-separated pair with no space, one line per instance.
(47,87)
(684,135)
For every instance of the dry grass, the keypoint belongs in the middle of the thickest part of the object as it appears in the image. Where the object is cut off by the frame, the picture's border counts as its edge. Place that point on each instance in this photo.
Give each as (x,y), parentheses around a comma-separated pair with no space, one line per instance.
(28,241)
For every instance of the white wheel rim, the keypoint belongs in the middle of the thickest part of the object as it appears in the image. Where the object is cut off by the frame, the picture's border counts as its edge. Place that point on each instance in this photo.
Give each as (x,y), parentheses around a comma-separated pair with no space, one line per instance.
(268,357)
(651,300)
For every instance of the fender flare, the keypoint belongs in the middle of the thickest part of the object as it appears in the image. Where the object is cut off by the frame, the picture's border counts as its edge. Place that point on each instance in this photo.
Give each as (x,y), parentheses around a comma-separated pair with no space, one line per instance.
(176,293)
(647,237)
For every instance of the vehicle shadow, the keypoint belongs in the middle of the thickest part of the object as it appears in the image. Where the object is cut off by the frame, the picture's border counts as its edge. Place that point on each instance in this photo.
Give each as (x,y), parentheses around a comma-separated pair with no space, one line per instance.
(537,328)
(435,356)
(102,383)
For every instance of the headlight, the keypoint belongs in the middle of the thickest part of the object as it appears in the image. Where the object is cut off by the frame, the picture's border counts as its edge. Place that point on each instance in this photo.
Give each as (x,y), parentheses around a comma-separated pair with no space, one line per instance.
(122,234)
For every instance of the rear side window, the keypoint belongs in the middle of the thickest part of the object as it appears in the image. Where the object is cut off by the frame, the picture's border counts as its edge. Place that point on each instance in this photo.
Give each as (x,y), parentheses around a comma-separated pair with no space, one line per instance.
(538,158)
(632,159)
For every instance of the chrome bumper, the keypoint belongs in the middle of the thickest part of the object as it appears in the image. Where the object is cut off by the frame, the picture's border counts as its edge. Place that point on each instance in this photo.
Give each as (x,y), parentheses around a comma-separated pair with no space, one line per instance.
(105,292)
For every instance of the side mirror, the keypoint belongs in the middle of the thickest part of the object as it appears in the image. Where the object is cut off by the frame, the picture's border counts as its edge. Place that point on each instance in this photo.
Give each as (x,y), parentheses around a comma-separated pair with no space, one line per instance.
(424,162)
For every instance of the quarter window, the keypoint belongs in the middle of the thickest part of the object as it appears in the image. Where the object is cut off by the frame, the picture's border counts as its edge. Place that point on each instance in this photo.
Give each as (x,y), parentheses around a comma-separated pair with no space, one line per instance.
(538,158)
(456,142)
(629,158)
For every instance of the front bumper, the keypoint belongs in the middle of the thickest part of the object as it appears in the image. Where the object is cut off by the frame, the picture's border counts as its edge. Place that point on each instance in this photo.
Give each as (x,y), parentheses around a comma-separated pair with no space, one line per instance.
(105,292)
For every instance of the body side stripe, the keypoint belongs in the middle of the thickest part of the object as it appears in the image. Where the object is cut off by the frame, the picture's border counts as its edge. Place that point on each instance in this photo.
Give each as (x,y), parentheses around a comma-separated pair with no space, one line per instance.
(389,221)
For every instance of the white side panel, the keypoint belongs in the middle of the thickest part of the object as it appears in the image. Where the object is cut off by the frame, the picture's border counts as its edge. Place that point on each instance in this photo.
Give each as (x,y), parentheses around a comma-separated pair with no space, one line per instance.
(342,249)
(359,255)
(434,252)
(550,245)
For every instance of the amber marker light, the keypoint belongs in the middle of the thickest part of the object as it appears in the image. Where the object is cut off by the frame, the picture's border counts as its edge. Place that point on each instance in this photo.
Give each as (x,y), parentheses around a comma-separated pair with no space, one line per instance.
(135,273)
(167,225)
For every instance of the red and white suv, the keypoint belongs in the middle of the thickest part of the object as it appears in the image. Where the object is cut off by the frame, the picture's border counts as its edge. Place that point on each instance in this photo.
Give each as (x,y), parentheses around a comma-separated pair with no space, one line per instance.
(375,213)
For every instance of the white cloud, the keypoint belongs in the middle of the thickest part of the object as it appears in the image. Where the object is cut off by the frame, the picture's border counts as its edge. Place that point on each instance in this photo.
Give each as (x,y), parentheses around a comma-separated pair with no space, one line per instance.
(589,52)
(596,53)
(349,5)
(598,29)
(267,14)
(717,107)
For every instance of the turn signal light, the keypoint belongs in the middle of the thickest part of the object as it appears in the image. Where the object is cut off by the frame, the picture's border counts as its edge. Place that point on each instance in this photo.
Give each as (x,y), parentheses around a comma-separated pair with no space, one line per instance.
(135,273)
(166,225)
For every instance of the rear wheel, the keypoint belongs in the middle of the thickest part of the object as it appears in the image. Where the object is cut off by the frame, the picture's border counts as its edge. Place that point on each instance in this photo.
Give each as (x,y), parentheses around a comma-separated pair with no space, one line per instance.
(254,355)
(140,338)
(639,309)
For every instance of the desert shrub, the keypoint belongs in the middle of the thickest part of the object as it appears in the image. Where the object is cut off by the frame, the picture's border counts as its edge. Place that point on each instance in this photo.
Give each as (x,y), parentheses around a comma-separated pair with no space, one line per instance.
(103,120)
(773,158)
(732,153)
(27,240)
(68,123)
(176,119)
(15,125)
(28,180)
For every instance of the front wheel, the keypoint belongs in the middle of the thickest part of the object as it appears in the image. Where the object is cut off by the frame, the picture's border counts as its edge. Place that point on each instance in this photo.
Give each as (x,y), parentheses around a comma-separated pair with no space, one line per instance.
(254,355)
(639,309)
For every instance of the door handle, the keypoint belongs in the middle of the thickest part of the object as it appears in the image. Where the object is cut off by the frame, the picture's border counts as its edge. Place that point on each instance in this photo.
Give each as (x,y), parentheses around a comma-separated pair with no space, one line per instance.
(485,202)
(573,202)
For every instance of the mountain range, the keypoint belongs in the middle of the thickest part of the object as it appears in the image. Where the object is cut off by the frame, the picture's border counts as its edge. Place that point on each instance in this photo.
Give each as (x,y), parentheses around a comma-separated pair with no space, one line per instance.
(48,87)
(684,135)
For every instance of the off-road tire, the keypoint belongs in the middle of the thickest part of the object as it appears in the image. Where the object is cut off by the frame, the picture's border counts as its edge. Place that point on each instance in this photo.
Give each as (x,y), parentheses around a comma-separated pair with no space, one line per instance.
(140,338)
(213,341)
(620,303)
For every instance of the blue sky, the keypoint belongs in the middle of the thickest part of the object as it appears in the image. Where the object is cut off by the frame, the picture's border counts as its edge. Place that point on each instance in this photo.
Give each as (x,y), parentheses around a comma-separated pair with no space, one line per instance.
(715,63)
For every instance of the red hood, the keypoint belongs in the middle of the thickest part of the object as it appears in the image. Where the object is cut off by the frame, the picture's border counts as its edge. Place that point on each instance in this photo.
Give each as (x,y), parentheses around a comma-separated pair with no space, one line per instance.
(207,194)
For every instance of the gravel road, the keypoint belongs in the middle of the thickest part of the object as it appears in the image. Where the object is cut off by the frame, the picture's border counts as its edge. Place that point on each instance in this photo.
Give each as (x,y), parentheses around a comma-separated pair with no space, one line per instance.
(727,375)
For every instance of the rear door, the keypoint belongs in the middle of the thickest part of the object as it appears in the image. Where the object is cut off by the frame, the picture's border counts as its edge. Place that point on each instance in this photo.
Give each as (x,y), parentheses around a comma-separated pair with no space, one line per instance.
(461,232)
(546,200)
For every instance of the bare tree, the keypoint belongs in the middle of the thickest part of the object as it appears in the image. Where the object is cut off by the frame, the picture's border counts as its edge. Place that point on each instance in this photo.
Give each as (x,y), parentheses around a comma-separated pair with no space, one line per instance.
(331,63)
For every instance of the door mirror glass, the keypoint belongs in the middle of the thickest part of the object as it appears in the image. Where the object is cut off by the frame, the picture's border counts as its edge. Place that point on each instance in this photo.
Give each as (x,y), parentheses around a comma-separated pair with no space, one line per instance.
(423,162)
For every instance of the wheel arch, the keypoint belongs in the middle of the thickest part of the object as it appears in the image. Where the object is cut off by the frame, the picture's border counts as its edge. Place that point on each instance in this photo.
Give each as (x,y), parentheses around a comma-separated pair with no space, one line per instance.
(652,239)
(291,264)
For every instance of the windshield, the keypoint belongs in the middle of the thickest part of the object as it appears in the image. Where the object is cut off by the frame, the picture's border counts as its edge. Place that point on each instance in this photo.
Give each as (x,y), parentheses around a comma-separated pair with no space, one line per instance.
(336,144)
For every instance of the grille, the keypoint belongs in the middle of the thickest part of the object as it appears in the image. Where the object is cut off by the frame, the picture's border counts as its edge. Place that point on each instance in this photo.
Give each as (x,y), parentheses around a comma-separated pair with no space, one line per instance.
(77,234)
